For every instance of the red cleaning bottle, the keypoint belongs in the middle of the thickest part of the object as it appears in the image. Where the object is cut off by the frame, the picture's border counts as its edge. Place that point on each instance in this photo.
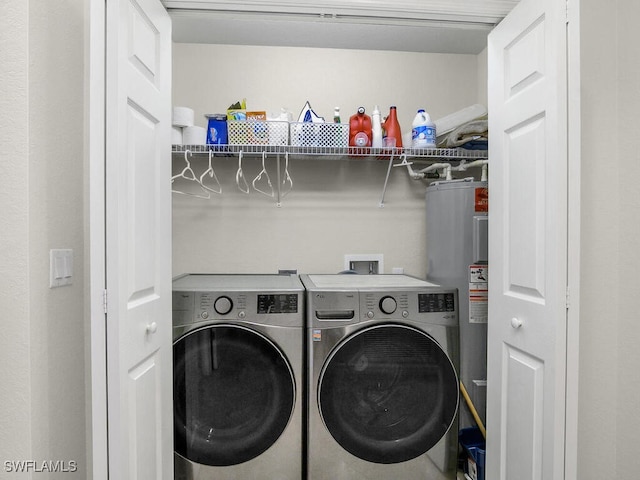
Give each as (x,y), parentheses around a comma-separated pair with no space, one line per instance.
(391,130)
(360,129)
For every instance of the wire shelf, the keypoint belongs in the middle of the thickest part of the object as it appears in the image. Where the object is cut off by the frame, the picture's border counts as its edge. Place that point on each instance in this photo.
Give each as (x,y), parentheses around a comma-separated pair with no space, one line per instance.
(337,152)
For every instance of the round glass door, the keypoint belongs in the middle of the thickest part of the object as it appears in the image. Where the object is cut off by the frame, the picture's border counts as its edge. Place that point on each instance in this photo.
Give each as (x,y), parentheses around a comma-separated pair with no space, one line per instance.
(233,394)
(388,393)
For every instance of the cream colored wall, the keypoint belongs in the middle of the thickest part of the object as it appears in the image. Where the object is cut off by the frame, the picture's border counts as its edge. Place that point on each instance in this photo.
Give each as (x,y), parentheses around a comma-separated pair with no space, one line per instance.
(609,327)
(333,207)
(600,202)
(483,77)
(42,399)
(628,175)
(15,343)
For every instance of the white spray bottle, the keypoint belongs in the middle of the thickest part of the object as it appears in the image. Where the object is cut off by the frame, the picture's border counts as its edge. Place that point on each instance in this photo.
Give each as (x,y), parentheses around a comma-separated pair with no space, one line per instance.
(376,128)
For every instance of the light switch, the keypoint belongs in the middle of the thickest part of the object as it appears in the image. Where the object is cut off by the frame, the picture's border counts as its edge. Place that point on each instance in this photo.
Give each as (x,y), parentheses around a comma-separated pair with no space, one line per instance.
(61,267)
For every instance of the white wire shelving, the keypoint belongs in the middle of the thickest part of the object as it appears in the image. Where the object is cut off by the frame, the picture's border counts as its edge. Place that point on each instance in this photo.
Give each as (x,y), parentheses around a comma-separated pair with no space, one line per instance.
(339,153)
(290,152)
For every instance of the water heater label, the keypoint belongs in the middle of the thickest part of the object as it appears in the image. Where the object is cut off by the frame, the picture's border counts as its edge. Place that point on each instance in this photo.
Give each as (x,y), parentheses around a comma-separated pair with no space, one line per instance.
(478,293)
(482,199)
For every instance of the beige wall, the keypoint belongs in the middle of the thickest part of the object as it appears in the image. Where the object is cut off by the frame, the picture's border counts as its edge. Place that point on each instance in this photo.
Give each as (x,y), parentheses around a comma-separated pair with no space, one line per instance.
(609,327)
(600,202)
(15,394)
(628,175)
(41,343)
(333,207)
(42,399)
(483,78)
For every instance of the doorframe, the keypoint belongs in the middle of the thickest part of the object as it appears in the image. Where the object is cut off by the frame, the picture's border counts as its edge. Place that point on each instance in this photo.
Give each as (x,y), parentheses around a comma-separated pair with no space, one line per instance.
(95,89)
(95,119)
(573,240)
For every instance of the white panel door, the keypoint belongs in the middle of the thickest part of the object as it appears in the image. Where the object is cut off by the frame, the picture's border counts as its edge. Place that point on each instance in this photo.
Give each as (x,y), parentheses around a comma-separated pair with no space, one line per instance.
(528,243)
(138,240)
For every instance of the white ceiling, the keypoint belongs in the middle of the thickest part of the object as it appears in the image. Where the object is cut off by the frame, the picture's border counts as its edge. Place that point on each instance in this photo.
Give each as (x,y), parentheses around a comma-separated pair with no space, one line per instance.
(435,26)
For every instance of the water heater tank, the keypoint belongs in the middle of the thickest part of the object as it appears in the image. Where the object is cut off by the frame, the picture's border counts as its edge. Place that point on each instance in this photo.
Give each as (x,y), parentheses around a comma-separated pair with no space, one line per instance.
(457,257)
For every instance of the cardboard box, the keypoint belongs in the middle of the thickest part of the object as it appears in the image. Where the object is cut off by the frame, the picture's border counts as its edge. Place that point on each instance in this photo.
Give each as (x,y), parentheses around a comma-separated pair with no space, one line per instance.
(258,129)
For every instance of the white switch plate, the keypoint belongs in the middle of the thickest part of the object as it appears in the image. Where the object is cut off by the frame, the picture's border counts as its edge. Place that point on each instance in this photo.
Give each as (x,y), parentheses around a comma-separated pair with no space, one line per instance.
(60,267)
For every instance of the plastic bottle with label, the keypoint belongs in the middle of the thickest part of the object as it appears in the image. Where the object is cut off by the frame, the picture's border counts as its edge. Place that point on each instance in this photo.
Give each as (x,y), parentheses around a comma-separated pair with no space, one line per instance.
(360,129)
(423,133)
(376,128)
(336,115)
(392,135)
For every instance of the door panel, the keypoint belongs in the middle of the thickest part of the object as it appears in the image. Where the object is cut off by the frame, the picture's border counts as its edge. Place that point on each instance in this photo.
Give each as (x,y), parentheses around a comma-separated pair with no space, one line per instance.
(146,442)
(522,415)
(525,192)
(138,240)
(528,243)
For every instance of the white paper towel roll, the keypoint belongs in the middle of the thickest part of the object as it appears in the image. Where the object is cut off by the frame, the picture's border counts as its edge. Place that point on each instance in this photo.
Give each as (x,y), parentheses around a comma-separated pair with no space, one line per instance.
(194,136)
(176,135)
(182,117)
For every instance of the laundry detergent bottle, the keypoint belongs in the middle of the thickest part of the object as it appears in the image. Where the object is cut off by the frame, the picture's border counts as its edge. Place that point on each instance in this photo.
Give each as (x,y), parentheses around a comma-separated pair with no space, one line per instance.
(391,130)
(423,132)
(360,129)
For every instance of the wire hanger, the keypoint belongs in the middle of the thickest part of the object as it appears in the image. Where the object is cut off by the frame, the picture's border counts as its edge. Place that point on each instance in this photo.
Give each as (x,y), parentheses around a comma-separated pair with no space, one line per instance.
(259,177)
(188,174)
(212,174)
(240,176)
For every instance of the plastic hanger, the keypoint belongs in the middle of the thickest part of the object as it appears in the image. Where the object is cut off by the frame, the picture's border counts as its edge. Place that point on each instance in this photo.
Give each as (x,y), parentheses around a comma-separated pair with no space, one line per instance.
(188,174)
(259,177)
(212,174)
(240,176)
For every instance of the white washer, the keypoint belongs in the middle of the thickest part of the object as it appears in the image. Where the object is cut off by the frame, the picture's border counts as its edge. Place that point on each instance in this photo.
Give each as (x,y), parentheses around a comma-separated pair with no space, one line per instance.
(383,392)
(238,366)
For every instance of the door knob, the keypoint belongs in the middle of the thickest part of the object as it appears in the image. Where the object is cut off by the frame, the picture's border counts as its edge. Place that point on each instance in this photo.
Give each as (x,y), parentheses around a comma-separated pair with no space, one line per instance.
(152,327)
(516,322)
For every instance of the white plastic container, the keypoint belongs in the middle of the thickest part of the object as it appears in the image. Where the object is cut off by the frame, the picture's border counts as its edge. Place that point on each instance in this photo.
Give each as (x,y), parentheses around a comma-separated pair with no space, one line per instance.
(423,133)
(376,128)
(454,120)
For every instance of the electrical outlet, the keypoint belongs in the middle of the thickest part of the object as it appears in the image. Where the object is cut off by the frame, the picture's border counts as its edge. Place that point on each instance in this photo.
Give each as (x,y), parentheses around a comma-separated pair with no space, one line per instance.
(364,263)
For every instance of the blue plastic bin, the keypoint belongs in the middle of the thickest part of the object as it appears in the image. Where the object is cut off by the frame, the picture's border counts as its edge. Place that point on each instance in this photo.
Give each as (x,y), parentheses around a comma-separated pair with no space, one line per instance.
(217,129)
(473,444)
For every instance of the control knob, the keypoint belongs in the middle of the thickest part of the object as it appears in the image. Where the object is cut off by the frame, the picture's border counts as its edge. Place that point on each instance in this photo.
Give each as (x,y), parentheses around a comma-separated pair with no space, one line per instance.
(223,305)
(388,305)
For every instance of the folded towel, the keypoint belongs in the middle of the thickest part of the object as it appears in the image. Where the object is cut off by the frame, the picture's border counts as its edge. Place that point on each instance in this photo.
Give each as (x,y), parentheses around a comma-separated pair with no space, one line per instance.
(471,131)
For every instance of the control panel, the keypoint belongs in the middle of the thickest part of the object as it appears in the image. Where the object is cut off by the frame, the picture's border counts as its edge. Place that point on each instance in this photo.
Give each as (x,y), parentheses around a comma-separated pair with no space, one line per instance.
(268,308)
(379,304)
(281,303)
(401,305)
(436,302)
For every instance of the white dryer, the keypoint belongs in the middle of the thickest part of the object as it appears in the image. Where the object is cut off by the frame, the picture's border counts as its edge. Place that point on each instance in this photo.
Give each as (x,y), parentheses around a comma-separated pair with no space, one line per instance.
(383,394)
(238,356)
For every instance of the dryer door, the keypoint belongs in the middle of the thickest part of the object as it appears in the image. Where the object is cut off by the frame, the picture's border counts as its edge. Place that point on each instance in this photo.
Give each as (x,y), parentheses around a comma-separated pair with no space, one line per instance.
(233,391)
(388,393)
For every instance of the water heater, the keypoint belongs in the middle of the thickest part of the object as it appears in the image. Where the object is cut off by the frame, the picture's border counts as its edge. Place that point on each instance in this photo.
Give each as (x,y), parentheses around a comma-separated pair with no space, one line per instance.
(456,239)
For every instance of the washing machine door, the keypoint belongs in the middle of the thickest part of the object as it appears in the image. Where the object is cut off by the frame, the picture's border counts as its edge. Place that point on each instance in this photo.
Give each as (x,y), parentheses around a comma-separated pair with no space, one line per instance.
(234,393)
(388,393)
